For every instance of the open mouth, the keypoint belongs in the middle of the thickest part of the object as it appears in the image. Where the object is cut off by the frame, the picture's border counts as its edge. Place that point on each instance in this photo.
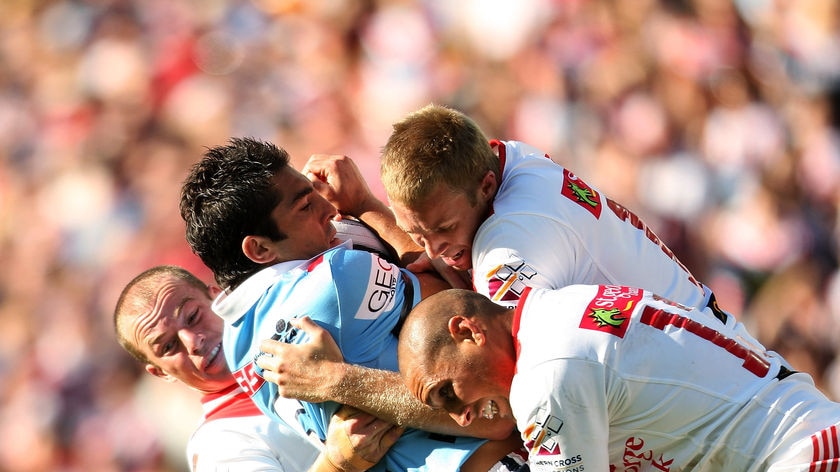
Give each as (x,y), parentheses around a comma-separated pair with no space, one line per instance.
(213,354)
(490,410)
(454,259)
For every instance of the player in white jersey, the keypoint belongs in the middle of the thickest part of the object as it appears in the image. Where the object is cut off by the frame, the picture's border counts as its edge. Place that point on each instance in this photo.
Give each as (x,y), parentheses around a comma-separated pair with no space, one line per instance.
(504,211)
(163,318)
(257,223)
(514,217)
(616,378)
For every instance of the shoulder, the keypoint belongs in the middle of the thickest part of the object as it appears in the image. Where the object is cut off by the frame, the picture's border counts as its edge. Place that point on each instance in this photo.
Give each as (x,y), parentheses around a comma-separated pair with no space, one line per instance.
(251,442)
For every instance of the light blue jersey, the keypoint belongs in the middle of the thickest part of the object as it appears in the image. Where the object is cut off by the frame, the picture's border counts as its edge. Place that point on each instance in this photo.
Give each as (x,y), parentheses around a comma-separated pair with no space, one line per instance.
(360,299)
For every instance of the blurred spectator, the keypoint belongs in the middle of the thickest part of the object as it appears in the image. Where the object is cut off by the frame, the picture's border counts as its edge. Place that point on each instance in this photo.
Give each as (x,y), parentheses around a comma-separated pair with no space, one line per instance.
(717,121)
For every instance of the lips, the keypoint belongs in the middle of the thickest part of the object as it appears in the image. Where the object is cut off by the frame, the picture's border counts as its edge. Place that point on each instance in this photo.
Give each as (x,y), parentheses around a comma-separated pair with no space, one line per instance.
(212,355)
(453,259)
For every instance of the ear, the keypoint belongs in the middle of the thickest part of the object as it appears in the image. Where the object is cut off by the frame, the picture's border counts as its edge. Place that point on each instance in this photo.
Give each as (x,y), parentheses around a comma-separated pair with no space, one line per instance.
(258,249)
(489,185)
(214,291)
(158,372)
(465,330)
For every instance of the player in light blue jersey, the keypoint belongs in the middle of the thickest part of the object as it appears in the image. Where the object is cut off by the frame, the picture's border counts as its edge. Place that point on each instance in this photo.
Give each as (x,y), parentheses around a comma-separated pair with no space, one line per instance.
(269,239)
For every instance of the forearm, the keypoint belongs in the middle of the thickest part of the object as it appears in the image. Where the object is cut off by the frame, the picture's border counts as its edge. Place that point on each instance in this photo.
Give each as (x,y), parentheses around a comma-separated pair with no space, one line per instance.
(324,464)
(378,216)
(383,394)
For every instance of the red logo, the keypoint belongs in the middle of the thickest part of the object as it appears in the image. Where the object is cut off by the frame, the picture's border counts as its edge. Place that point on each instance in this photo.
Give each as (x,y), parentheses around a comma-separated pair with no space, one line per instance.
(610,310)
(248,379)
(579,192)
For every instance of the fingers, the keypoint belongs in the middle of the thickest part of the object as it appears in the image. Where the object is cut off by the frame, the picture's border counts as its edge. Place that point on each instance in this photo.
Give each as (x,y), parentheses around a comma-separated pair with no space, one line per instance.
(421,264)
(308,326)
(368,436)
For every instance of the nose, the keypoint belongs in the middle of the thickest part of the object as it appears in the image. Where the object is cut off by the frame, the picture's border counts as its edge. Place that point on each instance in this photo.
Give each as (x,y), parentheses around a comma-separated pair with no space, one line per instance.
(434,246)
(463,418)
(192,341)
(327,207)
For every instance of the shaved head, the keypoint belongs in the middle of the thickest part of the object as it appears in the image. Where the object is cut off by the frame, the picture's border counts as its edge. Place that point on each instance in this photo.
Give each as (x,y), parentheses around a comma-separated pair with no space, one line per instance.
(456,352)
(426,330)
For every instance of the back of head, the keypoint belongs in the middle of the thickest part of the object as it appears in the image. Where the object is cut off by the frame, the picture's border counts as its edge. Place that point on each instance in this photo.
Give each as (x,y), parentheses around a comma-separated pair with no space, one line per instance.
(228,195)
(138,296)
(435,145)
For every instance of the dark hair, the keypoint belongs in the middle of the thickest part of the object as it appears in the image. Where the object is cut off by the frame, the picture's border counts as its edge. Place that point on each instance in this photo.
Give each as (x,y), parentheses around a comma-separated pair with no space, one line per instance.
(228,195)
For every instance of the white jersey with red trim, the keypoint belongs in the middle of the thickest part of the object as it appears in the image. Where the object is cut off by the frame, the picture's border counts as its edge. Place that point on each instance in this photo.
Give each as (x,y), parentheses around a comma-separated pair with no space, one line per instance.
(550,229)
(235,435)
(628,381)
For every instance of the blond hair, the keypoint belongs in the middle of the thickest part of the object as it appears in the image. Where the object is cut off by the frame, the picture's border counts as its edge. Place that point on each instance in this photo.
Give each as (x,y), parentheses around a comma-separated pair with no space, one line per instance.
(435,145)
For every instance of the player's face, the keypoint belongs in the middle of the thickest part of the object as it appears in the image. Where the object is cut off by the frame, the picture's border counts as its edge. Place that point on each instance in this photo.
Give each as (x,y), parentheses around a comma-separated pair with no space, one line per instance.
(468,387)
(444,225)
(182,337)
(304,216)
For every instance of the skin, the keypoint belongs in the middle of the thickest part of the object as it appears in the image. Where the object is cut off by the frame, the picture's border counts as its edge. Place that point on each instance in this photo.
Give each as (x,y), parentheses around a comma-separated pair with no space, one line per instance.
(446,222)
(181,337)
(315,371)
(339,180)
(305,217)
(473,369)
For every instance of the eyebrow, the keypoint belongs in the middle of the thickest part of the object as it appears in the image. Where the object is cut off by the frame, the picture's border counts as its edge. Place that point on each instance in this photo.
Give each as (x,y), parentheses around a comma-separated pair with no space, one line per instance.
(156,341)
(302,194)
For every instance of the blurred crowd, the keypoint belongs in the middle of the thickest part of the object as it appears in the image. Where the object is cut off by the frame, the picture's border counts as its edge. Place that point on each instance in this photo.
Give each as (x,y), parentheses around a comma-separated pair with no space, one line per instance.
(717,121)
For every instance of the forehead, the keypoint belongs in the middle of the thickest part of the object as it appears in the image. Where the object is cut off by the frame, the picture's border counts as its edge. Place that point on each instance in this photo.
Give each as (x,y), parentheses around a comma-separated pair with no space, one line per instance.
(441,206)
(151,308)
(289,183)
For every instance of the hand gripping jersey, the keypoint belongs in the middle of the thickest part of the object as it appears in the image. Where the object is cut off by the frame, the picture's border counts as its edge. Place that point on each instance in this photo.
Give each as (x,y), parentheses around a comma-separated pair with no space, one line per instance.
(360,299)
(628,381)
(235,435)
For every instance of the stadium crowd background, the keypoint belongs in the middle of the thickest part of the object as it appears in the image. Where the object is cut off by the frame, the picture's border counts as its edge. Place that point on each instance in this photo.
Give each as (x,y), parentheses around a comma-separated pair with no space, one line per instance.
(716,121)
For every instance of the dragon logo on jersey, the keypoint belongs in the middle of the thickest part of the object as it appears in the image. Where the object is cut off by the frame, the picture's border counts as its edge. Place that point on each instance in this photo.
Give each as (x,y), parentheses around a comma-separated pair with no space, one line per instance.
(506,282)
(579,192)
(611,317)
(541,434)
(610,309)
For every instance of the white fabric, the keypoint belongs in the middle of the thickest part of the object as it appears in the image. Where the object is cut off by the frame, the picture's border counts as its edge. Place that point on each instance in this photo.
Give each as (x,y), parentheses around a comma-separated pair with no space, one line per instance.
(251,443)
(612,378)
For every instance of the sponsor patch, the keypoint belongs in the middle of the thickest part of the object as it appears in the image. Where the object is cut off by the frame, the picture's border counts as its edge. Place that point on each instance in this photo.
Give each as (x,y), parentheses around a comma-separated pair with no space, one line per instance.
(542,434)
(381,289)
(579,192)
(610,310)
(506,282)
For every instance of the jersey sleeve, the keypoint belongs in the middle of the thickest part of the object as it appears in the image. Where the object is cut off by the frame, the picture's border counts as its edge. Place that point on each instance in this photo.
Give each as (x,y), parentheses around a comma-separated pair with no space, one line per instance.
(520,250)
(561,411)
(228,444)
(372,297)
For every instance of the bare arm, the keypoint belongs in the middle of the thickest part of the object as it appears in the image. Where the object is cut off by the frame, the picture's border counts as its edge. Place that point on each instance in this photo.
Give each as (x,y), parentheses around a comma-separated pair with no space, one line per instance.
(315,372)
(339,180)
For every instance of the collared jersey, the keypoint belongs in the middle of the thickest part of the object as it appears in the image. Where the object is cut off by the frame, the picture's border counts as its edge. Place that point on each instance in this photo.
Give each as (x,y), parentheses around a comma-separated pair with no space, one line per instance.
(359,299)
(234,435)
(628,381)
